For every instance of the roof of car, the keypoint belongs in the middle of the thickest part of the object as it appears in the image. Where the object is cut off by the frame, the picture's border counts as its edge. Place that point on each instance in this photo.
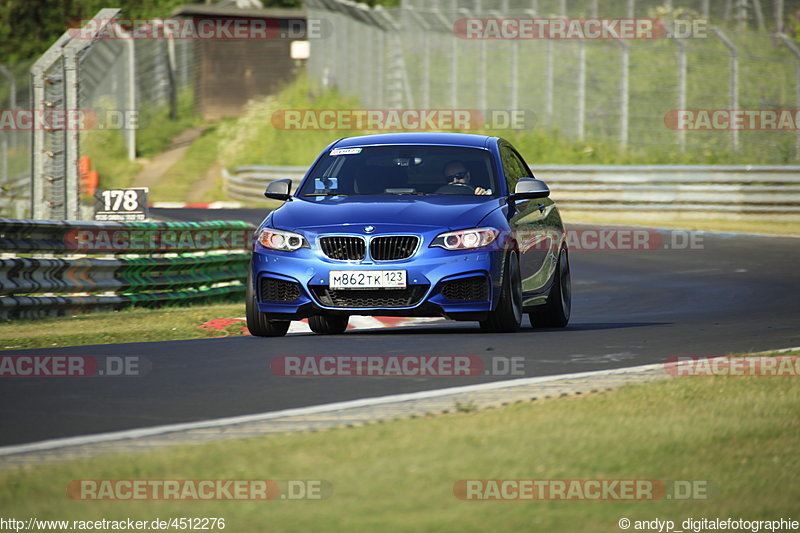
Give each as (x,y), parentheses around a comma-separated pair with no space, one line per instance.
(452,139)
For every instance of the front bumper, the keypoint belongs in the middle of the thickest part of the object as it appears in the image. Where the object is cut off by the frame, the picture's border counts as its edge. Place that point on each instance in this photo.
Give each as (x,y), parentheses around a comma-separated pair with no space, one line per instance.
(429,272)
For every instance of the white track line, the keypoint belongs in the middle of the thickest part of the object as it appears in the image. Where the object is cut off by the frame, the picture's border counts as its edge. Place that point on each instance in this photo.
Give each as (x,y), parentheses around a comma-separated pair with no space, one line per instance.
(300,411)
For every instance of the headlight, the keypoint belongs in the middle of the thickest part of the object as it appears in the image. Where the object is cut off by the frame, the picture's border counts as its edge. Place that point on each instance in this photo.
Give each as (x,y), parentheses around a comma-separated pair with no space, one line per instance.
(466,239)
(285,241)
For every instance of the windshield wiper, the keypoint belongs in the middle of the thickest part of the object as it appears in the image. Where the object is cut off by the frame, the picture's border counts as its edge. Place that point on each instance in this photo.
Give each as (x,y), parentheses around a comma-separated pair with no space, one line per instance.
(325,194)
(410,193)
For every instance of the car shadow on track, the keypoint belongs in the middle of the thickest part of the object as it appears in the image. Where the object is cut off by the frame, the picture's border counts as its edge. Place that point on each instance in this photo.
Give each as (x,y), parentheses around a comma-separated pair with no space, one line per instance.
(469,329)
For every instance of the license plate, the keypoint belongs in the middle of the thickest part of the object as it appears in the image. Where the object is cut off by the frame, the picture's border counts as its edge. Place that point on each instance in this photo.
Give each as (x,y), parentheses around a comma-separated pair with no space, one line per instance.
(367,279)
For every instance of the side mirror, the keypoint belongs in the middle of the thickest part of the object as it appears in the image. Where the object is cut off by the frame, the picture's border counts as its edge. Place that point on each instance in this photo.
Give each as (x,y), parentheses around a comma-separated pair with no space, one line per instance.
(279,190)
(528,188)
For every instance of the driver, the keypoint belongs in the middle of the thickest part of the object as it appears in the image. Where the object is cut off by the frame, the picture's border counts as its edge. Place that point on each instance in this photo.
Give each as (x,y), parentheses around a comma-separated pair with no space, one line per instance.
(457,174)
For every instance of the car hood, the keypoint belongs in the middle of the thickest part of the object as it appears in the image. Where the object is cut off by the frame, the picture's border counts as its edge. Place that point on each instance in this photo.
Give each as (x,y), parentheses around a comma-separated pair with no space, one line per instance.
(451,212)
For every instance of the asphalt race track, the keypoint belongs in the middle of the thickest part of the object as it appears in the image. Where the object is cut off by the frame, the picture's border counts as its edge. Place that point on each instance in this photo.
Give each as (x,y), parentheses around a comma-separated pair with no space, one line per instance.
(737,293)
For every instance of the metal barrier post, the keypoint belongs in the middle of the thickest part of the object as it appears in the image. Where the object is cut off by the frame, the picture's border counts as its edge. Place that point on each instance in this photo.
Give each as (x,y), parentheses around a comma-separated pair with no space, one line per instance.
(733,88)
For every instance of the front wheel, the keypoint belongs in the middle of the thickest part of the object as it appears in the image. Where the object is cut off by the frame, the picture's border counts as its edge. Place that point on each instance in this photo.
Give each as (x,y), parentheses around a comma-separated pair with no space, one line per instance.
(507,317)
(257,323)
(555,313)
(328,324)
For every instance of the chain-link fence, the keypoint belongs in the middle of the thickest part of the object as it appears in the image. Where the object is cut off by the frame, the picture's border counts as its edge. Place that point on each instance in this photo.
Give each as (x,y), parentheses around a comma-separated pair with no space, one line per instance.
(15,145)
(118,87)
(623,92)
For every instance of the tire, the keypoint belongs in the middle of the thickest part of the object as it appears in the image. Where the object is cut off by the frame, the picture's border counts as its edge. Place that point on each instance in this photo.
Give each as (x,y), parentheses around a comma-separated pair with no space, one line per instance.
(507,317)
(257,323)
(328,324)
(555,313)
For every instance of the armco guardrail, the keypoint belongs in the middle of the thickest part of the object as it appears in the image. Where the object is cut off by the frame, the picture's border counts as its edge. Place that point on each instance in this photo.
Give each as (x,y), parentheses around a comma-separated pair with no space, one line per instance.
(53,268)
(248,183)
(766,190)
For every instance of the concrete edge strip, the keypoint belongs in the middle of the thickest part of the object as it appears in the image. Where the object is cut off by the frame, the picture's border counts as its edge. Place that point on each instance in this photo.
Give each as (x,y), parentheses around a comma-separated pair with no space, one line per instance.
(80,440)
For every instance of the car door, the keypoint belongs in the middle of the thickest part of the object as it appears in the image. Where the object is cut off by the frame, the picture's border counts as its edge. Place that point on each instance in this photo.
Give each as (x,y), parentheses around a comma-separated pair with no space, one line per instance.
(535,224)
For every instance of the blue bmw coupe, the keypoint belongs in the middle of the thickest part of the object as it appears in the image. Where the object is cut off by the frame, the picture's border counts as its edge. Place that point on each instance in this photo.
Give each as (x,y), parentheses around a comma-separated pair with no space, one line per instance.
(411,224)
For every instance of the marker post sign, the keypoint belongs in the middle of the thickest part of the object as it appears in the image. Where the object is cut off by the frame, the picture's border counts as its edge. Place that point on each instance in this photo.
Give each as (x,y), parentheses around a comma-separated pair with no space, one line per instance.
(121,205)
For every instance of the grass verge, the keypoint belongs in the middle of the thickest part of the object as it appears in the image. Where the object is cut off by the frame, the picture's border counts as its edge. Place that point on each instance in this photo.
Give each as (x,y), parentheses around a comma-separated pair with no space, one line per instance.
(738,433)
(683,222)
(134,325)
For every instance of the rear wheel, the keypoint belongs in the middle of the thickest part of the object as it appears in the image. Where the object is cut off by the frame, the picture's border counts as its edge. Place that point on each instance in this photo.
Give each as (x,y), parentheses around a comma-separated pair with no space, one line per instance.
(257,323)
(507,317)
(555,314)
(328,324)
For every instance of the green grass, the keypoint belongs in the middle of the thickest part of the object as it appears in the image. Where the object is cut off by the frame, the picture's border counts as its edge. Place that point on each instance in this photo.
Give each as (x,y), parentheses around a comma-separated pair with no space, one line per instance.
(187,172)
(156,128)
(686,222)
(108,150)
(252,139)
(738,433)
(134,325)
(109,155)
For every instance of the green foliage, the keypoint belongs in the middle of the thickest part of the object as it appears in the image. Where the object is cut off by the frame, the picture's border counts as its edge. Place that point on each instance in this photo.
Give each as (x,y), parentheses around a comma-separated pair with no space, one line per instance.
(109,155)
(156,129)
(252,139)
(29,27)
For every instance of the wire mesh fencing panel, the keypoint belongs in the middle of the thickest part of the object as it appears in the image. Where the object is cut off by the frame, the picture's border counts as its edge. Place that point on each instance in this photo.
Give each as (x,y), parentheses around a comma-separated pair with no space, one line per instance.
(617,92)
(108,84)
(15,141)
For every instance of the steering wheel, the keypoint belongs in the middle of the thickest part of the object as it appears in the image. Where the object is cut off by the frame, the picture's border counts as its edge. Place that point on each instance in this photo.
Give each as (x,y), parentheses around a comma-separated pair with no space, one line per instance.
(456,188)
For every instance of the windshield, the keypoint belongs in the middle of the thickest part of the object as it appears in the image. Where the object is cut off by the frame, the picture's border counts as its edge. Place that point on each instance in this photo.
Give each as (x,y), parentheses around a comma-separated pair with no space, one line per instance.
(402,170)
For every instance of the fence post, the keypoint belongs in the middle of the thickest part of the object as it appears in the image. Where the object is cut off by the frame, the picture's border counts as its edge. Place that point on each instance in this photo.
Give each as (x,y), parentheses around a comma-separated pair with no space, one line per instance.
(733,88)
(514,74)
(581,105)
(549,70)
(173,89)
(426,56)
(130,132)
(4,160)
(72,52)
(625,60)
(39,156)
(792,45)
(12,86)
(741,14)
(426,67)
(400,87)
(72,182)
(513,58)
(453,60)
(779,15)
(759,15)
(478,12)
(12,99)
(682,69)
